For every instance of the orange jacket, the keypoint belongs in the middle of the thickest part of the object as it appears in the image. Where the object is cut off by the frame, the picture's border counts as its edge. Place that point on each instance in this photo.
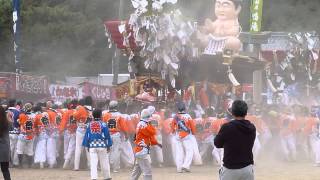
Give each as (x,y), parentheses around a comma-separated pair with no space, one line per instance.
(27,125)
(37,123)
(207,124)
(198,122)
(257,121)
(310,126)
(118,123)
(217,124)
(81,114)
(42,123)
(300,124)
(131,128)
(53,118)
(187,121)
(145,134)
(68,122)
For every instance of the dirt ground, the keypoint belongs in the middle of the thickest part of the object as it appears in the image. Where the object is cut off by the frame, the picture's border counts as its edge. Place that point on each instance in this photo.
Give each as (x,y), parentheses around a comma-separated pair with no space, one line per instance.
(266,169)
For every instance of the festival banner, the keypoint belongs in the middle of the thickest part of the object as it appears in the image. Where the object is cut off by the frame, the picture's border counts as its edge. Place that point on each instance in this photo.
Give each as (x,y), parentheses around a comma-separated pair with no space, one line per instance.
(97,92)
(33,84)
(256,15)
(61,93)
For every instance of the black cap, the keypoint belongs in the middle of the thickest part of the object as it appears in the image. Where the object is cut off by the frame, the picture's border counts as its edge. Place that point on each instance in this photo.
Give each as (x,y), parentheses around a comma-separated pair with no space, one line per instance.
(181,106)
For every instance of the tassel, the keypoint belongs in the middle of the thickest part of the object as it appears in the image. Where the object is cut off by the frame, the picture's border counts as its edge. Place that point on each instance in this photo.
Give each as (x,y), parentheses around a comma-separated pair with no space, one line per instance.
(233,79)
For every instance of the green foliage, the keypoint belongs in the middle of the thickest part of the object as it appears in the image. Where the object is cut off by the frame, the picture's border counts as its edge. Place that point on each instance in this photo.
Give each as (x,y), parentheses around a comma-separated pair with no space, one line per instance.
(59,37)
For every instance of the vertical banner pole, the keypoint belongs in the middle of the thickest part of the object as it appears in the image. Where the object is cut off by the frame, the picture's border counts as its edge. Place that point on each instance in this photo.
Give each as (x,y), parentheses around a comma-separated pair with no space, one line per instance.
(16,42)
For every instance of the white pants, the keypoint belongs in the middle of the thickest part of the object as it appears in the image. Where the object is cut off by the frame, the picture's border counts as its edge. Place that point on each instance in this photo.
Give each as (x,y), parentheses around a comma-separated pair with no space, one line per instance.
(142,166)
(99,155)
(315,146)
(157,151)
(265,137)
(173,142)
(217,153)
(197,160)
(256,148)
(204,147)
(13,149)
(115,151)
(127,155)
(79,149)
(69,145)
(58,145)
(46,151)
(25,147)
(184,152)
(288,145)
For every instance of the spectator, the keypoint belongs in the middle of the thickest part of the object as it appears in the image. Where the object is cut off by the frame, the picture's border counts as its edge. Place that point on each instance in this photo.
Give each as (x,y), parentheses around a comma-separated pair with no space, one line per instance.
(237,138)
(4,144)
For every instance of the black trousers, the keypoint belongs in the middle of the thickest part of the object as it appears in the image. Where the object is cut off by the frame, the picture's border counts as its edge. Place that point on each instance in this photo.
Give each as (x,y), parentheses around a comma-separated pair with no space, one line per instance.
(5,170)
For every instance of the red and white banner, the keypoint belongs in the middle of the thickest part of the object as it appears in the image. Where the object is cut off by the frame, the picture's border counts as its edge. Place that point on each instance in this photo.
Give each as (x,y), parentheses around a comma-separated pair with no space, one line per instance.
(63,92)
(97,92)
(25,87)
(32,84)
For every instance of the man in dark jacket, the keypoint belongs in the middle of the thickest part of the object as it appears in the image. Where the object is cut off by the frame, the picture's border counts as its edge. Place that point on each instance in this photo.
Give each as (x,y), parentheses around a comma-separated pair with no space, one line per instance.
(237,138)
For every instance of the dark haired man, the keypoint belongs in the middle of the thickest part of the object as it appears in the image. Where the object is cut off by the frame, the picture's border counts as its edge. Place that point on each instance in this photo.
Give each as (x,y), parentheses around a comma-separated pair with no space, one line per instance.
(237,138)
(98,141)
(13,116)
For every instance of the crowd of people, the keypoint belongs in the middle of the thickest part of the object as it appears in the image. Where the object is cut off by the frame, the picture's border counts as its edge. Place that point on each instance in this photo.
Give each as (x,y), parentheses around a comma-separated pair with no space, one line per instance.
(48,135)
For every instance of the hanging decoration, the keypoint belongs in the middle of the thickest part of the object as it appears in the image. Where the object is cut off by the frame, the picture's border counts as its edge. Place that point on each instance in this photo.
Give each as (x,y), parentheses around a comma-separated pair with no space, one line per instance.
(298,68)
(162,38)
(256,15)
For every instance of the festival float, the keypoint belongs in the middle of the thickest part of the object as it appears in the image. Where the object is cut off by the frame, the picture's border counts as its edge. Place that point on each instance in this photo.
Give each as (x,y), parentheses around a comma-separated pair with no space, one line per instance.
(207,64)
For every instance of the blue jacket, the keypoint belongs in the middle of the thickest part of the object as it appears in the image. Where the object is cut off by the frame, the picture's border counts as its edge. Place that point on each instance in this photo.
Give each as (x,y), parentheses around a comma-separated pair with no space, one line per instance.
(14,114)
(97,135)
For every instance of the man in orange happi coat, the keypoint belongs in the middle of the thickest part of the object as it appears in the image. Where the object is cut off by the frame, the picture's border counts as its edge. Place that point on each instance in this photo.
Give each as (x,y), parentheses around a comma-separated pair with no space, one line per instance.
(68,128)
(157,122)
(27,134)
(183,128)
(312,131)
(82,115)
(46,126)
(119,132)
(288,135)
(215,128)
(145,138)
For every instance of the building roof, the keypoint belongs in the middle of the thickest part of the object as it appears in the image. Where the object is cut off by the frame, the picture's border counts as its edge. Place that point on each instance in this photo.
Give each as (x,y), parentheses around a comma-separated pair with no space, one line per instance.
(101,79)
